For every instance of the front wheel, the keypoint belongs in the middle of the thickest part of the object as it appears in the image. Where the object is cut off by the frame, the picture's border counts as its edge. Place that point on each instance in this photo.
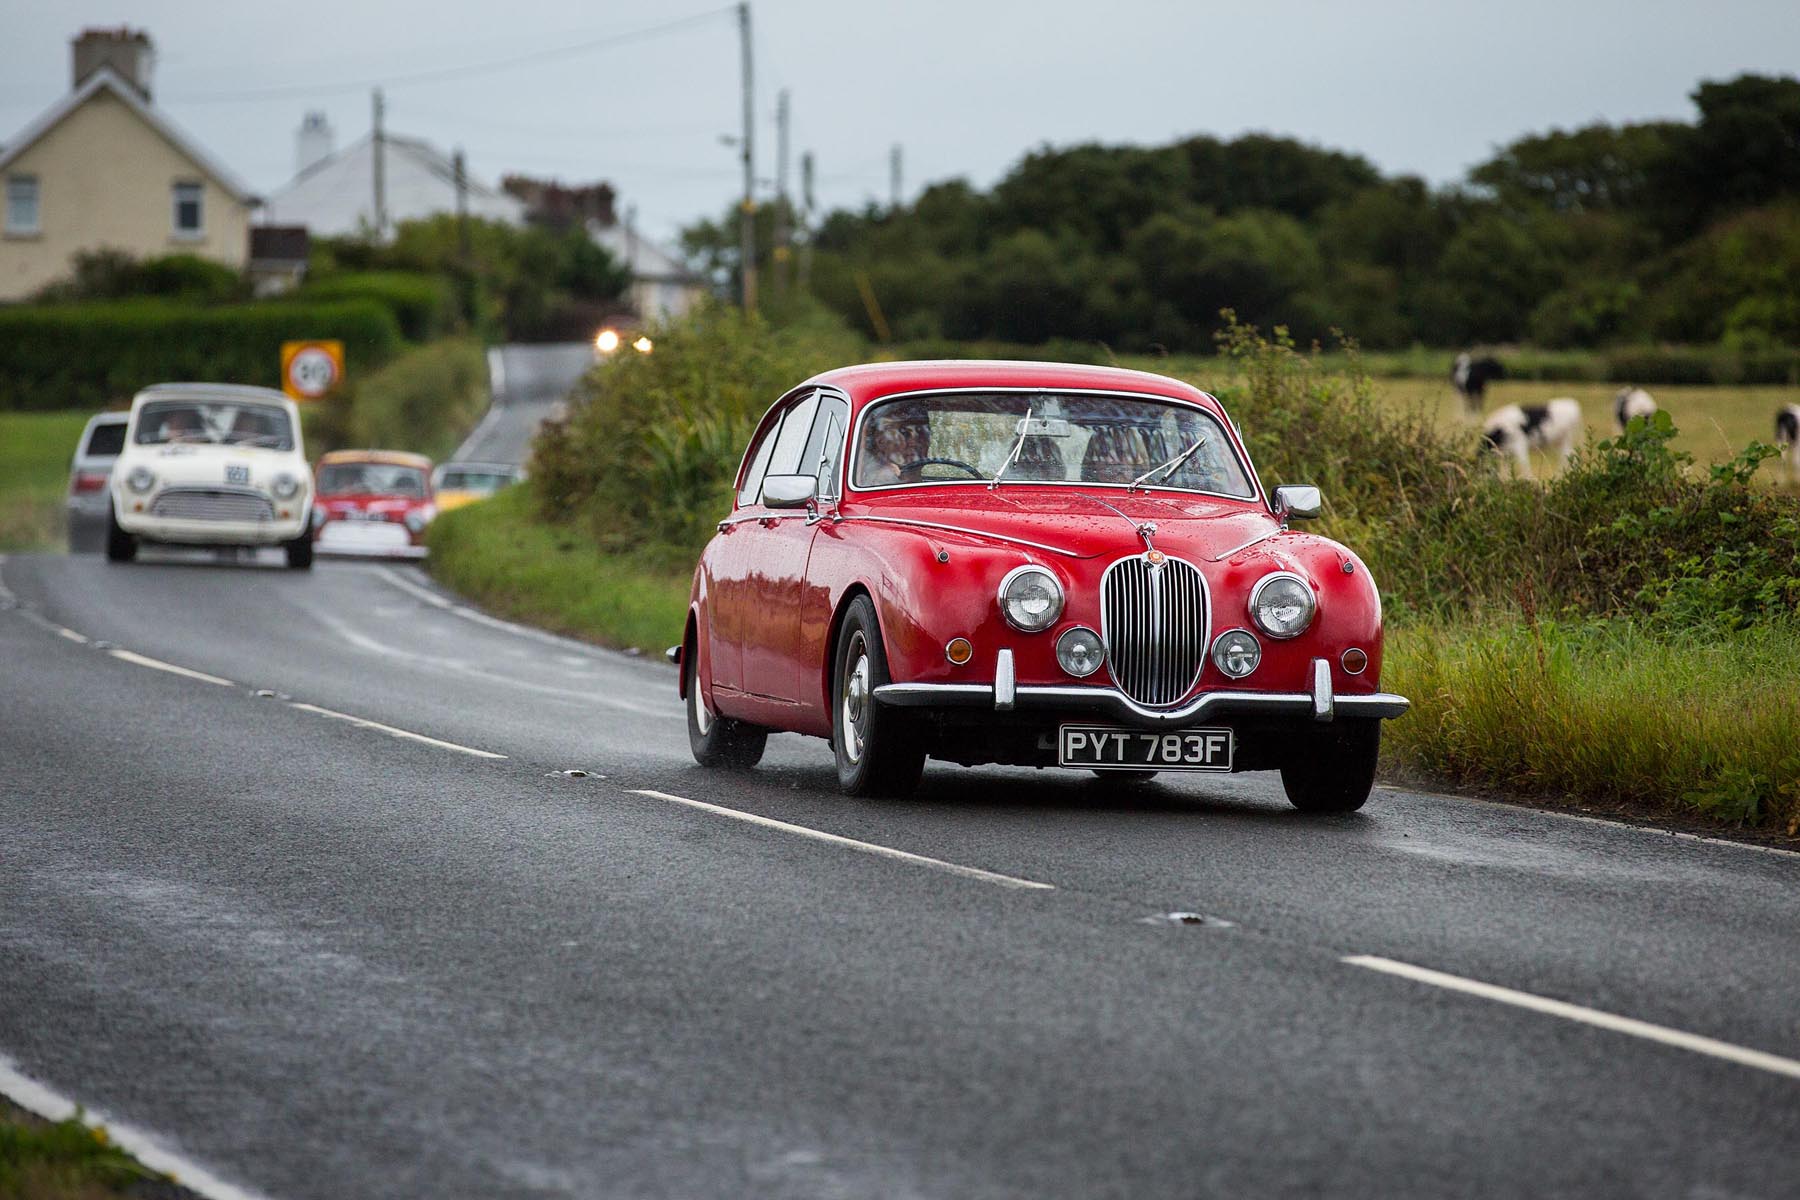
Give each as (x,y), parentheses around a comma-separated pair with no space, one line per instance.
(1337,772)
(120,546)
(879,751)
(299,552)
(718,741)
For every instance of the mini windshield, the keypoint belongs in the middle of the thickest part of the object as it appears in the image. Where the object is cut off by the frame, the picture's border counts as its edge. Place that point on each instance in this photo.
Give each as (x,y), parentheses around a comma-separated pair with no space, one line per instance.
(964,437)
(371,479)
(227,424)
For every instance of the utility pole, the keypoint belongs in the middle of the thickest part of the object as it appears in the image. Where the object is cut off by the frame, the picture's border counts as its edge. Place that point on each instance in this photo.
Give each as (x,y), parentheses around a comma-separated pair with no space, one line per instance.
(781,251)
(747,213)
(894,177)
(806,219)
(465,269)
(379,149)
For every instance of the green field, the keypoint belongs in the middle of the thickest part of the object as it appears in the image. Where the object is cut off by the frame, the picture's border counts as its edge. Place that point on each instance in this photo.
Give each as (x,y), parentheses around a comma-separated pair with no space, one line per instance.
(35,449)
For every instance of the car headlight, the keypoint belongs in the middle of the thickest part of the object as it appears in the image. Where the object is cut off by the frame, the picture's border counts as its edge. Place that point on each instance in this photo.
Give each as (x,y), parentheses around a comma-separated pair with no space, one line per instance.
(1080,651)
(1282,605)
(1236,653)
(416,521)
(285,486)
(141,479)
(1030,599)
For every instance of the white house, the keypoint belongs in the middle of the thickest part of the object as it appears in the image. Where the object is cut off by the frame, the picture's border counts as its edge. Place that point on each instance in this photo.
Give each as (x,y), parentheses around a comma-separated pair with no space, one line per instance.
(335,196)
(662,285)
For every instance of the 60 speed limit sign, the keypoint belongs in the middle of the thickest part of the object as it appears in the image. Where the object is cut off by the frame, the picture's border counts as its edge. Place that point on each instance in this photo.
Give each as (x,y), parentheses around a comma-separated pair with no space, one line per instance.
(311,370)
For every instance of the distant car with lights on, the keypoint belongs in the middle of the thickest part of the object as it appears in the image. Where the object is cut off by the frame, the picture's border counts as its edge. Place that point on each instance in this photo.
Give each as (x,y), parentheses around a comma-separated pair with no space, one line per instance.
(1035,564)
(208,464)
(460,483)
(373,503)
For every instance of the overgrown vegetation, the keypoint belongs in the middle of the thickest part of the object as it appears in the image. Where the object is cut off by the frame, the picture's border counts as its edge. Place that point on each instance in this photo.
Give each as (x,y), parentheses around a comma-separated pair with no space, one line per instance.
(424,401)
(67,1160)
(35,449)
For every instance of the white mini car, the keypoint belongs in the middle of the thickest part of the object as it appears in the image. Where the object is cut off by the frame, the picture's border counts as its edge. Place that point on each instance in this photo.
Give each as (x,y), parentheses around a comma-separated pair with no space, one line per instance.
(210,464)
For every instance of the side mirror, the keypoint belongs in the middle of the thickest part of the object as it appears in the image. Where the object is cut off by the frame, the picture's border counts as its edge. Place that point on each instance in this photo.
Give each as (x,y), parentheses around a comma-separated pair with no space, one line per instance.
(789,491)
(1294,501)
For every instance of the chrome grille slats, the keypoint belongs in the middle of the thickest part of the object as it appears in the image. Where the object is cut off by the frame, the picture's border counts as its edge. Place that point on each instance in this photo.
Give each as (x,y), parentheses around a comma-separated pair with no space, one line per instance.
(212,504)
(1154,621)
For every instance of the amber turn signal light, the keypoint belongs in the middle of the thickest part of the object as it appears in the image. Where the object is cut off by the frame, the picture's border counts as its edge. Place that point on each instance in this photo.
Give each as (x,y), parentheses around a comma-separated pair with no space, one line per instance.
(1355,661)
(958,650)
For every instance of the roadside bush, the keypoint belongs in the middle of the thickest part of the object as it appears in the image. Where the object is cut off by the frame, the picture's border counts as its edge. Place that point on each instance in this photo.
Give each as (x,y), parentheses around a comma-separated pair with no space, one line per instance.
(424,401)
(92,355)
(424,305)
(109,274)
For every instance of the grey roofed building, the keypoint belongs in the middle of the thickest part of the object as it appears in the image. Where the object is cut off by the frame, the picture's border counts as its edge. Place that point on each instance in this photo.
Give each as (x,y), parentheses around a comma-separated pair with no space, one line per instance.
(663,287)
(335,197)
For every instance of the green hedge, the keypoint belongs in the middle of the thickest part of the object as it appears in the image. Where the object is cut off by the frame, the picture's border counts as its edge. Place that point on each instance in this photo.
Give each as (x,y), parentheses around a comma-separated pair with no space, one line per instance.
(93,355)
(424,305)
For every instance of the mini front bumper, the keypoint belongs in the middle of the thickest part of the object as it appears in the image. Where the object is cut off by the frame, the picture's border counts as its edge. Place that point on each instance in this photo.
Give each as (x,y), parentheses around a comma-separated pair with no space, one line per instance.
(1321,703)
(180,532)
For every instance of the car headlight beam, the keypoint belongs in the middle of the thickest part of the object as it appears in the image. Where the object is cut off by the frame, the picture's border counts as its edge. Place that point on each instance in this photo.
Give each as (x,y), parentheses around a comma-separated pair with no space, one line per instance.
(1282,604)
(1030,599)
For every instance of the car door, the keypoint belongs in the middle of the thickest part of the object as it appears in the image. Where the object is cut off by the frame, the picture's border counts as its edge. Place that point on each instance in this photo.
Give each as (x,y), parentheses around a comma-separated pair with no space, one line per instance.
(728,568)
(774,547)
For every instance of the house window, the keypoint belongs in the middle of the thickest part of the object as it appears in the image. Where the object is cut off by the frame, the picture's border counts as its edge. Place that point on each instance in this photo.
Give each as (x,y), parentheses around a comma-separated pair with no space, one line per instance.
(190,217)
(21,204)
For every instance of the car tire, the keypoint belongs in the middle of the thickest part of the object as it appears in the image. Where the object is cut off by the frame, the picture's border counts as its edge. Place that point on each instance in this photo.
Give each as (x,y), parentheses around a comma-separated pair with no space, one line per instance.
(1337,772)
(299,552)
(716,741)
(879,750)
(121,547)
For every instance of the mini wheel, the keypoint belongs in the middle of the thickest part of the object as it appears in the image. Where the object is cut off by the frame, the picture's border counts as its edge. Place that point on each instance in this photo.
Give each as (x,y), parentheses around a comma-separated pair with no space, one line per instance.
(120,546)
(299,552)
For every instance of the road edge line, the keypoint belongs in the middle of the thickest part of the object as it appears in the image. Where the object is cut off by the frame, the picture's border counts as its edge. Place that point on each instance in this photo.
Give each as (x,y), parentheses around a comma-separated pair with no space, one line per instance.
(390,730)
(156,664)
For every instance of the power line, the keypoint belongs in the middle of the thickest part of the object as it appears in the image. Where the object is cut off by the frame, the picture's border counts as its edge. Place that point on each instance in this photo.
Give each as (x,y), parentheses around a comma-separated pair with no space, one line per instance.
(440,73)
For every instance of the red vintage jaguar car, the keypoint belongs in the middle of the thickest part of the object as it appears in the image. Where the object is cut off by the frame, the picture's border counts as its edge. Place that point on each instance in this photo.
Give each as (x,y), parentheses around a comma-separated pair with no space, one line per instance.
(1026,563)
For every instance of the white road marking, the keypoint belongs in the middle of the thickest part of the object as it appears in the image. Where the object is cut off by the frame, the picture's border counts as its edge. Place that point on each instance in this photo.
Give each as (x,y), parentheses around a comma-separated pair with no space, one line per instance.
(71,635)
(1743,1056)
(34,1097)
(156,664)
(365,723)
(1679,835)
(920,860)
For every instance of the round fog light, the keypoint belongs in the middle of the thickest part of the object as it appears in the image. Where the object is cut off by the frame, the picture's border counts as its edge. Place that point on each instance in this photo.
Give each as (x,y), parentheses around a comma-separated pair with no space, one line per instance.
(1236,653)
(1355,661)
(958,650)
(1080,651)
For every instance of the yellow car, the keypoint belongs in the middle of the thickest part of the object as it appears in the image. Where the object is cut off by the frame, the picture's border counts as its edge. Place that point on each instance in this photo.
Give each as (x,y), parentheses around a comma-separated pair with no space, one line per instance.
(460,483)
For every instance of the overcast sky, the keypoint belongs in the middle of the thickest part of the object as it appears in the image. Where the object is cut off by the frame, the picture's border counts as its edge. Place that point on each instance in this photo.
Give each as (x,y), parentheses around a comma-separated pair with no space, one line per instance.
(966,86)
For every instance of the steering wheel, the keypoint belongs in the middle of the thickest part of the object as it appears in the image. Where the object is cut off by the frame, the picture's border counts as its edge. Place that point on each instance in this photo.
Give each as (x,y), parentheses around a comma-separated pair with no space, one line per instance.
(917,463)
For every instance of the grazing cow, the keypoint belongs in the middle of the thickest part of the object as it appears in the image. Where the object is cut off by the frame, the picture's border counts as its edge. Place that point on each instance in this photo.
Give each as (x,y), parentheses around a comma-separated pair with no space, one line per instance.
(1470,377)
(1519,428)
(1632,402)
(1787,436)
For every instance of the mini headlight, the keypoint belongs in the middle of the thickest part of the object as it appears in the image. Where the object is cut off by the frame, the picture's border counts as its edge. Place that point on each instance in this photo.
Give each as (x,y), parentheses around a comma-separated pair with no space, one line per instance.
(141,479)
(1282,605)
(1236,652)
(415,521)
(285,486)
(1080,652)
(1030,599)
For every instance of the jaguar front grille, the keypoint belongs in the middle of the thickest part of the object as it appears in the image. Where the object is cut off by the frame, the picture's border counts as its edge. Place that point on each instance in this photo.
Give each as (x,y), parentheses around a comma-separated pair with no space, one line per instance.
(1154,622)
(212,504)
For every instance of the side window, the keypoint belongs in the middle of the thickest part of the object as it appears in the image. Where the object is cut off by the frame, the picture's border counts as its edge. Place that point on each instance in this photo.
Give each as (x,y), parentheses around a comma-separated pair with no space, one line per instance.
(759,465)
(790,443)
(826,444)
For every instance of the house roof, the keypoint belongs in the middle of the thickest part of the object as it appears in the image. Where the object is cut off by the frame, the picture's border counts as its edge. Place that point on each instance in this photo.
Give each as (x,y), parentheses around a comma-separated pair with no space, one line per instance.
(334,196)
(648,259)
(105,78)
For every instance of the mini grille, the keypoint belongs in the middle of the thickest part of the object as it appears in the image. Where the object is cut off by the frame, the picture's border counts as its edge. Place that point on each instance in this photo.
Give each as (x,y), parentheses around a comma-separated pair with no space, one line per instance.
(212,504)
(1155,623)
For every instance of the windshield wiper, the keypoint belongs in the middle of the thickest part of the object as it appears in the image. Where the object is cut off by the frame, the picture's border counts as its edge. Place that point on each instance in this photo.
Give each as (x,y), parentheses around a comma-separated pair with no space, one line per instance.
(1172,466)
(1013,456)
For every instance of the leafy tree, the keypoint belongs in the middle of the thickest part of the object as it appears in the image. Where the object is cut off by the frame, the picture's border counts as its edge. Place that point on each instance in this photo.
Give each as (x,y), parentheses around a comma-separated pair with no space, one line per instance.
(1596,168)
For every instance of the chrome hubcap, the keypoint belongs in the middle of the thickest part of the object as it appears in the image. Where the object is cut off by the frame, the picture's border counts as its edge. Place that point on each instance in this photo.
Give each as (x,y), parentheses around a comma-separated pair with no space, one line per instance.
(703,718)
(854,722)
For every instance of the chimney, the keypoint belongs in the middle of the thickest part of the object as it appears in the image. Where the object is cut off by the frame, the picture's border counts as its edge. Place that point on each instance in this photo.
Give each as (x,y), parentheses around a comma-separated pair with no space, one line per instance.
(314,142)
(127,51)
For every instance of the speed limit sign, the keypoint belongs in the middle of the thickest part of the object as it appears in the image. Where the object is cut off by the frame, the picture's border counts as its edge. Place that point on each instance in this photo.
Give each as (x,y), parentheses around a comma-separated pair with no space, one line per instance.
(311,370)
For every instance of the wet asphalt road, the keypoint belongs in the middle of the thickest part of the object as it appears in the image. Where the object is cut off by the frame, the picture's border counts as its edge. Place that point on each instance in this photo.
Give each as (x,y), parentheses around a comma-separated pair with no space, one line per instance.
(326,960)
(527,383)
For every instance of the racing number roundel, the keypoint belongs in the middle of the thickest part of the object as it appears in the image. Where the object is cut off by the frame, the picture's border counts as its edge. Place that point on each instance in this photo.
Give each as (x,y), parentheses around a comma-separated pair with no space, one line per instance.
(311,370)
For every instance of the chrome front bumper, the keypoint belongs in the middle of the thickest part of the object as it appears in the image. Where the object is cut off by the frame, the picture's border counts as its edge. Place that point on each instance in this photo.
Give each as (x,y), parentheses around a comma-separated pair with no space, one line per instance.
(1320,703)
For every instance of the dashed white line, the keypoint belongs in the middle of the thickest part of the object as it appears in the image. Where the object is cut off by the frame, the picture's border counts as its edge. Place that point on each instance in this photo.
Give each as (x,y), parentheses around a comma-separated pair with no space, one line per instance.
(819,835)
(391,731)
(71,635)
(1712,1047)
(156,664)
(34,1097)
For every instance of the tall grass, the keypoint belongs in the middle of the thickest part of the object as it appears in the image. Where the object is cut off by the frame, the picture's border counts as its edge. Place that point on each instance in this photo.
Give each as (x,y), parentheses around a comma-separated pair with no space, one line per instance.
(35,449)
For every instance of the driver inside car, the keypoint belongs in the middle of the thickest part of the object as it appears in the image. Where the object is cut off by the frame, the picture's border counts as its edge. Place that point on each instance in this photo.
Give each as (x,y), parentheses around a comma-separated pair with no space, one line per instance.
(898,437)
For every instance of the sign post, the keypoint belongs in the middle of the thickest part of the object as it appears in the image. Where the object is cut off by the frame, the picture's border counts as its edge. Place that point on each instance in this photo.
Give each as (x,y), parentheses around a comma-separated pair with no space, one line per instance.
(311,370)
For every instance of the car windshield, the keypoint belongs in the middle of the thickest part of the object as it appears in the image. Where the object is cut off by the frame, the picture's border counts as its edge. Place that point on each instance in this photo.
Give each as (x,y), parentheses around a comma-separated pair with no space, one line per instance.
(373,479)
(474,481)
(224,423)
(1048,437)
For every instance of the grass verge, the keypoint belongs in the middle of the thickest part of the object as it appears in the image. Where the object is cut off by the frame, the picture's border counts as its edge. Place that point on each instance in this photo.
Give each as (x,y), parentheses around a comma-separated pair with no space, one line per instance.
(35,449)
(1697,728)
(497,554)
(66,1160)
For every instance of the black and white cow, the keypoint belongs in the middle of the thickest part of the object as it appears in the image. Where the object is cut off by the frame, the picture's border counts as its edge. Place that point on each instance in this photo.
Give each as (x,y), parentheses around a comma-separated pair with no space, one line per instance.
(1470,377)
(1787,436)
(1632,402)
(1517,429)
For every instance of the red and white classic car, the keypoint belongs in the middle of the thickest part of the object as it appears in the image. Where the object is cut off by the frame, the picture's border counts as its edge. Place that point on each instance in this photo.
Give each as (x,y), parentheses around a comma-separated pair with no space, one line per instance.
(1033,564)
(373,503)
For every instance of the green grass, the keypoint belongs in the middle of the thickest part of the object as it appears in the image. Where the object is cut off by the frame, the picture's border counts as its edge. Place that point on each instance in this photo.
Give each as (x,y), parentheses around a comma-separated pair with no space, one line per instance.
(497,554)
(67,1160)
(35,449)
(1695,727)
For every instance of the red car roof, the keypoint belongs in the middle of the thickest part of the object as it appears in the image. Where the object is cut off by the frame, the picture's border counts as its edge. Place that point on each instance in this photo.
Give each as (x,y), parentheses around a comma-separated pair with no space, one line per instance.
(873,380)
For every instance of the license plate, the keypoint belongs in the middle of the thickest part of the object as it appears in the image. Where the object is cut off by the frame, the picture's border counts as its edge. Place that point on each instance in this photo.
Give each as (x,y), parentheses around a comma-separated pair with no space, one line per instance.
(1104,747)
(235,473)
